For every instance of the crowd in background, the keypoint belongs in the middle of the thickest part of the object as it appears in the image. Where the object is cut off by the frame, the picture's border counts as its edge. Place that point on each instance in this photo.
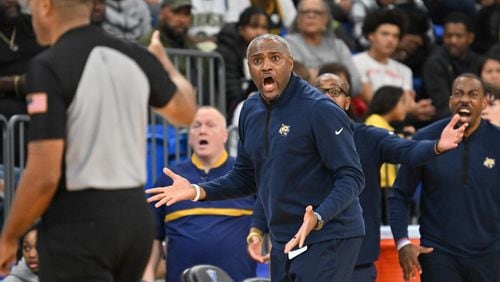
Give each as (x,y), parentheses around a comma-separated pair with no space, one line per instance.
(428,49)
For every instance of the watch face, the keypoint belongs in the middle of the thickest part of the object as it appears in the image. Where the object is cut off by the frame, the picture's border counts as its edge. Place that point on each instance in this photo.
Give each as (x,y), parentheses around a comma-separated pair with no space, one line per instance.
(320,222)
(319,225)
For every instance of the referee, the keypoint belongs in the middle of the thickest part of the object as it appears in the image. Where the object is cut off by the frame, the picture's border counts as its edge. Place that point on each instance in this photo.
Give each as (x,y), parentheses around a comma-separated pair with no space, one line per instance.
(88,98)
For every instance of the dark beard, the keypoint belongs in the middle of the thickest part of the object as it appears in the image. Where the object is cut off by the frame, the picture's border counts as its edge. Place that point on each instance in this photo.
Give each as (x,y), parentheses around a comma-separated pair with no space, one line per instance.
(11,18)
(170,33)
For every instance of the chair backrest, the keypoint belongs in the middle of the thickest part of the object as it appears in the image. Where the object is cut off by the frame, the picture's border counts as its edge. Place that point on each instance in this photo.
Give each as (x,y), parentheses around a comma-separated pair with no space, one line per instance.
(257,279)
(166,146)
(205,273)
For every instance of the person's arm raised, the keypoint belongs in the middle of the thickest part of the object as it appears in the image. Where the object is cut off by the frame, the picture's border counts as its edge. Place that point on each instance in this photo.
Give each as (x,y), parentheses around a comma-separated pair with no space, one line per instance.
(180,110)
(450,137)
(180,190)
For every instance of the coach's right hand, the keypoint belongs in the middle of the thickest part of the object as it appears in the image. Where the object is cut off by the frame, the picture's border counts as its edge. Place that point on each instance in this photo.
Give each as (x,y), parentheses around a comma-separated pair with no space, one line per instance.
(408,259)
(180,190)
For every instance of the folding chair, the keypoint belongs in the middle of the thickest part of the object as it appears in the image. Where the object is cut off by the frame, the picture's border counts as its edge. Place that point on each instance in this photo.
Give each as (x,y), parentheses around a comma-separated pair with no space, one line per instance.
(205,273)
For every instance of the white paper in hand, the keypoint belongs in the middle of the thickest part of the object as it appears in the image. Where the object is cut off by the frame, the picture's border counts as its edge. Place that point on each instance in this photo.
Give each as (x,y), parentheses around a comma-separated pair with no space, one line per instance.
(294,253)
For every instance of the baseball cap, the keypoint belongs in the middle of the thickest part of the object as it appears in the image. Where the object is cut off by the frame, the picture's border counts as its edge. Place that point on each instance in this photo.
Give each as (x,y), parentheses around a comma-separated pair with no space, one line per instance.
(176,4)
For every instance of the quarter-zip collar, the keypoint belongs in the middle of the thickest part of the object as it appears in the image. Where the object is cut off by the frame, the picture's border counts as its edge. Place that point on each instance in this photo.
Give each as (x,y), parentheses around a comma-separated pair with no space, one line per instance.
(286,95)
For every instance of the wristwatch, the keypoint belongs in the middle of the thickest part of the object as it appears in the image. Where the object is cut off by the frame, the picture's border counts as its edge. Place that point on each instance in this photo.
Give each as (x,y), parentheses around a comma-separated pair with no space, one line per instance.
(320,222)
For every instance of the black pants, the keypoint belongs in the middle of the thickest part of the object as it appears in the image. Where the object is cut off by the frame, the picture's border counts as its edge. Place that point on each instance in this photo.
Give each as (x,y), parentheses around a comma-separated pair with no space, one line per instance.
(326,261)
(364,273)
(441,266)
(96,236)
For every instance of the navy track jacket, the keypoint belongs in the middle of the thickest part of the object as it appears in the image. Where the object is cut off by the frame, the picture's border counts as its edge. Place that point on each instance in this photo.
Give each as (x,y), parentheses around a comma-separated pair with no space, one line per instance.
(459,204)
(297,151)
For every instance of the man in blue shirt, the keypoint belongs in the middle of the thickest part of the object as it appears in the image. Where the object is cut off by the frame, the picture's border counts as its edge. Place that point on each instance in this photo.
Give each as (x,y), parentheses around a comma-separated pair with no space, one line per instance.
(209,232)
(460,211)
(296,146)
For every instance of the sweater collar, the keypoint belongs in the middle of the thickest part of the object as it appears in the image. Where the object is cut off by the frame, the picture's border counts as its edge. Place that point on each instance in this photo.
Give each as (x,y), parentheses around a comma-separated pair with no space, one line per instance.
(199,165)
(287,94)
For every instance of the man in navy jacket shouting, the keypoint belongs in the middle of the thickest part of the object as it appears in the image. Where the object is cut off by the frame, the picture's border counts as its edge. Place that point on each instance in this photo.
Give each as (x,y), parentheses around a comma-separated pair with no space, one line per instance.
(375,146)
(296,151)
(459,203)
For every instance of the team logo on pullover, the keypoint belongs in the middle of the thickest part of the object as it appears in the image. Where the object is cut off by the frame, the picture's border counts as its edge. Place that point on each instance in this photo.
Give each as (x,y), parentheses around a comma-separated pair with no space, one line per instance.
(489,163)
(284,130)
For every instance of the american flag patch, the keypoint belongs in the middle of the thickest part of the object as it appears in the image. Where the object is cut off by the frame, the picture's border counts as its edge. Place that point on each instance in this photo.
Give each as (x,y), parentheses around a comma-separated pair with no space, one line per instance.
(37,103)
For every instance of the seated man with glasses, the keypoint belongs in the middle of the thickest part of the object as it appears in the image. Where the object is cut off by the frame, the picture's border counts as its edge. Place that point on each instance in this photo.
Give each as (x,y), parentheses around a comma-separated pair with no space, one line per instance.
(336,90)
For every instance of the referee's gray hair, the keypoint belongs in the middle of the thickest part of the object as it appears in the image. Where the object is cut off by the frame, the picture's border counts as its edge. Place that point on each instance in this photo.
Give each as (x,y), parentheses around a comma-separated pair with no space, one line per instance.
(268,36)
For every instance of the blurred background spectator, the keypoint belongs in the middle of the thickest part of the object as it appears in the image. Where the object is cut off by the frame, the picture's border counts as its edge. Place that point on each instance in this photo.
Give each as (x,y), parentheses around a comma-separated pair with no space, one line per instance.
(487,26)
(448,61)
(232,44)
(313,42)
(492,111)
(490,74)
(360,9)
(98,12)
(439,9)
(174,21)
(281,13)
(128,19)
(490,70)
(205,232)
(208,18)
(26,269)
(342,23)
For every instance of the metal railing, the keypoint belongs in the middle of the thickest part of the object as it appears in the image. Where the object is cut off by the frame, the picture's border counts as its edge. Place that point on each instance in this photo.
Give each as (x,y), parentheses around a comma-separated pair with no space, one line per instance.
(168,145)
(5,145)
(206,71)
(13,148)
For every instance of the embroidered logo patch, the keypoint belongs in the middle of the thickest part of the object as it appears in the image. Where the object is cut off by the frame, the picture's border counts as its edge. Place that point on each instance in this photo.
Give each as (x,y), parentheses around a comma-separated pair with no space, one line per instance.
(489,163)
(284,130)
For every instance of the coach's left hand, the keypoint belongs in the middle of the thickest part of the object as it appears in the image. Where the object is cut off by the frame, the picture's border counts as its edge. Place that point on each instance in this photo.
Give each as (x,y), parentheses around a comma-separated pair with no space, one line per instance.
(299,238)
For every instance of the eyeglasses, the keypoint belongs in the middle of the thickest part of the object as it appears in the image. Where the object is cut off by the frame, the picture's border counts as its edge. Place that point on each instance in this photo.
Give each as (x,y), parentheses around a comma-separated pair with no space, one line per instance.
(311,11)
(334,92)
